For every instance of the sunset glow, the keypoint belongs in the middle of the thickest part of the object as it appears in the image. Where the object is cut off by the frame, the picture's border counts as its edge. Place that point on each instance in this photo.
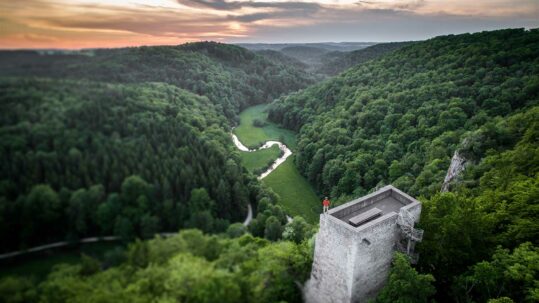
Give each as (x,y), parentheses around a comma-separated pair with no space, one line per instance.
(88,24)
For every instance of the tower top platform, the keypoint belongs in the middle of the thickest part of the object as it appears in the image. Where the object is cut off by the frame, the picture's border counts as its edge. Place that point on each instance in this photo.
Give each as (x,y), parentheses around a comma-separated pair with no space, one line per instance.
(356,243)
(377,207)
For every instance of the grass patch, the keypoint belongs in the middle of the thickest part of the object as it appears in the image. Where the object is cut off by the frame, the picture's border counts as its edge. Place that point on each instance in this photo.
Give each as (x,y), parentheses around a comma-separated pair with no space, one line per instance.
(297,195)
(252,136)
(260,159)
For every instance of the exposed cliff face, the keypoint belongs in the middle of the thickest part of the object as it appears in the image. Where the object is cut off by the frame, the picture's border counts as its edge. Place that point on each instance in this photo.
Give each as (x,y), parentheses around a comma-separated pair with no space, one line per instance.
(458,164)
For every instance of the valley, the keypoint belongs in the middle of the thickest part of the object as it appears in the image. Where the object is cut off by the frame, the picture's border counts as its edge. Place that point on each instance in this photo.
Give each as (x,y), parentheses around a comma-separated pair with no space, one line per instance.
(296,195)
(185,140)
(252,136)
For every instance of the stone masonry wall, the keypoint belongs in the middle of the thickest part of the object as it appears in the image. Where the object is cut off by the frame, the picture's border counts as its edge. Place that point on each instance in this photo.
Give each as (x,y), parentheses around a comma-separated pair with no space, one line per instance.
(350,207)
(373,258)
(352,264)
(331,272)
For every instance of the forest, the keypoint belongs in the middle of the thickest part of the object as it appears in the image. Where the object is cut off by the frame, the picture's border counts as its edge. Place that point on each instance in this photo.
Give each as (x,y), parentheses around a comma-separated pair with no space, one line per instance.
(334,63)
(188,267)
(399,120)
(110,142)
(230,76)
(118,159)
(132,142)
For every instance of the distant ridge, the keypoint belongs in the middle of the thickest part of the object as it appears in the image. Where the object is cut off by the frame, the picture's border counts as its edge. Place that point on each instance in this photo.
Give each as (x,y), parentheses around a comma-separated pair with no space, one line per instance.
(336,62)
(329,46)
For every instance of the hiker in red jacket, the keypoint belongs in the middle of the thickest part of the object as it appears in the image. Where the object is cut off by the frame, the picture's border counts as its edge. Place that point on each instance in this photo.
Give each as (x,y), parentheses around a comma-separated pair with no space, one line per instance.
(326,203)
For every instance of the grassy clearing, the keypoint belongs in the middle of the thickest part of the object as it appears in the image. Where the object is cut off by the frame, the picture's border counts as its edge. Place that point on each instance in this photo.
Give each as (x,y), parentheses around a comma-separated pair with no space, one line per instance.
(297,195)
(252,136)
(41,263)
(260,159)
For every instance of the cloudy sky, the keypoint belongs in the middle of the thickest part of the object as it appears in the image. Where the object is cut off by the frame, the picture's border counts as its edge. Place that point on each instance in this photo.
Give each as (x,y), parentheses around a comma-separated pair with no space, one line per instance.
(115,23)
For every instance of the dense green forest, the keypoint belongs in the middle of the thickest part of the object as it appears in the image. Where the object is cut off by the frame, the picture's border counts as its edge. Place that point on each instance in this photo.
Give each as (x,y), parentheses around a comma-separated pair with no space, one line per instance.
(482,239)
(125,142)
(188,267)
(230,76)
(84,158)
(279,58)
(400,118)
(336,62)
(107,142)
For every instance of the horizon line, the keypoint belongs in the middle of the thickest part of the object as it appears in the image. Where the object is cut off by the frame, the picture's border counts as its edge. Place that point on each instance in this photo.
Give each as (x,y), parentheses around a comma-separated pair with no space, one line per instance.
(200,41)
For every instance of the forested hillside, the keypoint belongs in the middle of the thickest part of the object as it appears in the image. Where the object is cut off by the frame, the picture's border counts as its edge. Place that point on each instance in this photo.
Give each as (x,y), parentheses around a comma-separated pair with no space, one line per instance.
(134,141)
(230,76)
(188,267)
(336,62)
(279,57)
(482,239)
(306,54)
(399,119)
(83,158)
(107,142)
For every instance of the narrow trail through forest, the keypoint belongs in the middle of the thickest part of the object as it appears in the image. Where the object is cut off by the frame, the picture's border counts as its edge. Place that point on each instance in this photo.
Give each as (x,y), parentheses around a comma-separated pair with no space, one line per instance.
(286,152)
(57,244)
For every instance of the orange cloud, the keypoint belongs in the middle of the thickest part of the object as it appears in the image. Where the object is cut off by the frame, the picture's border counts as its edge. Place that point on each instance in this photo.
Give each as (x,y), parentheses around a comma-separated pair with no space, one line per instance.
(116,23)
(53,25)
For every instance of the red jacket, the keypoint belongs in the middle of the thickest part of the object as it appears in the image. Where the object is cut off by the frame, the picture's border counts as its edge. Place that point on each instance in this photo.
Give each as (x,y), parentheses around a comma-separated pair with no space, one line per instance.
(325,202)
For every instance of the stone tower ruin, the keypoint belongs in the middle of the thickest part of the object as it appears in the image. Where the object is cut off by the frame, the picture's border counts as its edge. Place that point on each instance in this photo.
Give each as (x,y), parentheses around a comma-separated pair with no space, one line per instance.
(356,242)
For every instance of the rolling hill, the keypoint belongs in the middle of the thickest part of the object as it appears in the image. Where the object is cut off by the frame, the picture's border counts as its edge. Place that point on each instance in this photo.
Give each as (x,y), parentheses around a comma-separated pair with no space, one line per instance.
(134,141)
(230,76)
(403,118)
(333,63)
(127,141)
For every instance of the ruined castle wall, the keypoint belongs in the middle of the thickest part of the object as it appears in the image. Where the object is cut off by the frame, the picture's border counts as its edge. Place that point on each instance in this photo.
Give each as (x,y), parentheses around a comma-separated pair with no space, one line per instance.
(332,269)
(351,264)
(373,258)
(412,205)
(415,211)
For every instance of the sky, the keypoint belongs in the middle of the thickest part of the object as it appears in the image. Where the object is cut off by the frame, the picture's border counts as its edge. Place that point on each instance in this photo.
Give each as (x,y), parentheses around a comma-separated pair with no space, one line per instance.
(76,24)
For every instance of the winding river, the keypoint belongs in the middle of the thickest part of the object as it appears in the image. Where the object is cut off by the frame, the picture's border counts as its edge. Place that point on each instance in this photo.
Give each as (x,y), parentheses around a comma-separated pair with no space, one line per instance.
(286,152)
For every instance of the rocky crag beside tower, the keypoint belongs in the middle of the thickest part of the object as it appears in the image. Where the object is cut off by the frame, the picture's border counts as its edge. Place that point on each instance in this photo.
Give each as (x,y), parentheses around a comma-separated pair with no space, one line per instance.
(355,246)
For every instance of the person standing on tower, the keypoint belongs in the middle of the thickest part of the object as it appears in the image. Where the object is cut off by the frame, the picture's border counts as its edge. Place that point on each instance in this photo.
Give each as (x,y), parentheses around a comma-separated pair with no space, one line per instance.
(325,205)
